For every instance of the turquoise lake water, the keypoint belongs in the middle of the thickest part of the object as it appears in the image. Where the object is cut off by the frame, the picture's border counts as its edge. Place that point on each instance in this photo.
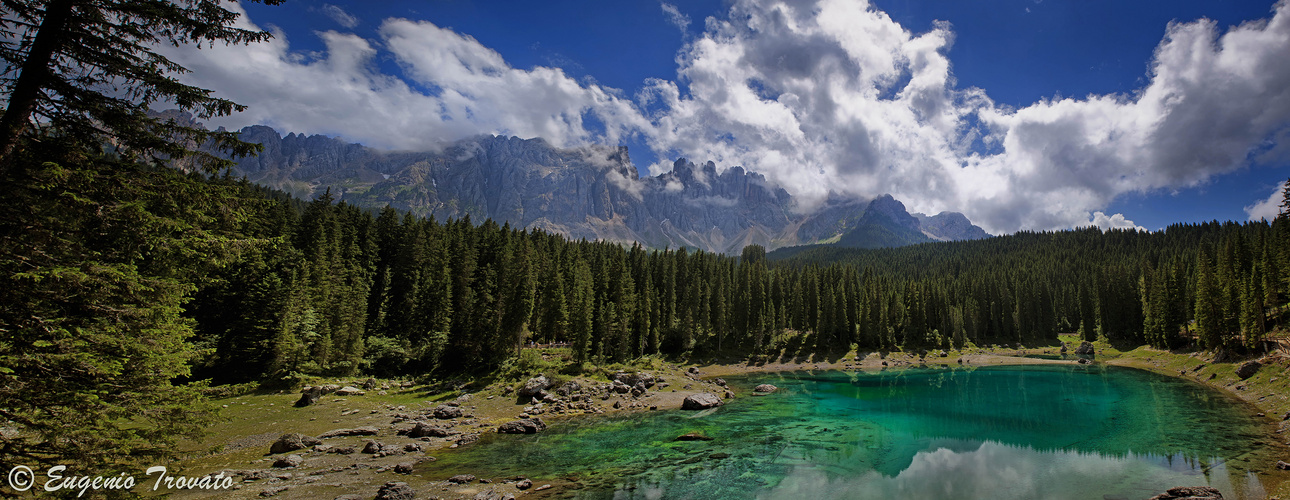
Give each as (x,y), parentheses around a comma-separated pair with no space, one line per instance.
(1048,431)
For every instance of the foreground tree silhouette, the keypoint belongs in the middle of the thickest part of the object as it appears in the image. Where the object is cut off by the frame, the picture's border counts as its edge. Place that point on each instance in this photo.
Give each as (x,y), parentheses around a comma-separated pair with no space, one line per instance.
(86,69)
(98,252)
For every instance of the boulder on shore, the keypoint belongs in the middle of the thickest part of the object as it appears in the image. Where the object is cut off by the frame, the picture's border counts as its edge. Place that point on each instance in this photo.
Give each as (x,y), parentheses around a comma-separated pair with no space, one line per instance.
(700,401)
(309,396)
(1283,465)
(1248,369)
(1085,348)
(633,379)
(444,412)
(396,490)
(289,461)
(357,431)
(423,429)
(534,385)
(1190,493)
(765,388)
(292,442)
(522,426)
(350,390)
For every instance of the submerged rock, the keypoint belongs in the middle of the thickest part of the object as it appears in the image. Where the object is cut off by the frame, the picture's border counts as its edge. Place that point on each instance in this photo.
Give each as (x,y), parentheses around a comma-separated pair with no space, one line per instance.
(765,388)
(693,436)
(1190,493)
(700,401)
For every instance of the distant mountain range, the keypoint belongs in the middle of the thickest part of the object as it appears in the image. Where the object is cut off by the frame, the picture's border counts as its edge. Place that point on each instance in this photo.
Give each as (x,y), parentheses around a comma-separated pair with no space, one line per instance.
(592,192)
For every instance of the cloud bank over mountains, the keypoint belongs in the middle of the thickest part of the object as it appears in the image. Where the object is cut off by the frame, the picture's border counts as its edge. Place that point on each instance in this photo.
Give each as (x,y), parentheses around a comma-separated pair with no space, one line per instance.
(819,96)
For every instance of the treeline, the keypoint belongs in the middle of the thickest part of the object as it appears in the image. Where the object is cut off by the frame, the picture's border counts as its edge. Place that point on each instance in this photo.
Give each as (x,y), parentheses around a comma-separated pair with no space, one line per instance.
(335,289)
(276,288)
(1214,284)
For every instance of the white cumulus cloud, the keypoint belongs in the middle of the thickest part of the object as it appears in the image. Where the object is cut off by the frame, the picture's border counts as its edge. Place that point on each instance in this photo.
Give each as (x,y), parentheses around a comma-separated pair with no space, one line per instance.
(817,95)
(1117,221)
(466,89)
(1266,209)
(835,95)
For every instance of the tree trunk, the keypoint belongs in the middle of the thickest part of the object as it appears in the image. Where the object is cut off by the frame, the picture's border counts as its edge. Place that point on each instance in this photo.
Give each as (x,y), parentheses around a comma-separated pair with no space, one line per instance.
(32,77)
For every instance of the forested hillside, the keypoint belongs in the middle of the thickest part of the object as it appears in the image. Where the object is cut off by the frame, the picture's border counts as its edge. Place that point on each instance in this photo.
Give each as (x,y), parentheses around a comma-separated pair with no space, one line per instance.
(334,289)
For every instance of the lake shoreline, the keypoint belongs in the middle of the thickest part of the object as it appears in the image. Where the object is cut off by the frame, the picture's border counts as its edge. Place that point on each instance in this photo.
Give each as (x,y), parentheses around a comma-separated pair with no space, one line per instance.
(491,405)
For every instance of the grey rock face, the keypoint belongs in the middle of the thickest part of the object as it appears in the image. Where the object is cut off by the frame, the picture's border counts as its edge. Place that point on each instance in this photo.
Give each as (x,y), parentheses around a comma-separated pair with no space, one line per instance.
(591,192)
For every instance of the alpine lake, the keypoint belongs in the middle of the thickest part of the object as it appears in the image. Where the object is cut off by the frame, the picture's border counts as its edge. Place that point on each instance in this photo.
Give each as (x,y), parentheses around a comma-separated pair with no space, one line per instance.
(1030,431)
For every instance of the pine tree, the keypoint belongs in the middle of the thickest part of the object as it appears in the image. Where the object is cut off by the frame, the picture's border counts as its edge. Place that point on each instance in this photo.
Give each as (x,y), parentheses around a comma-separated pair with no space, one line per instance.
(1208,321)
(87,70)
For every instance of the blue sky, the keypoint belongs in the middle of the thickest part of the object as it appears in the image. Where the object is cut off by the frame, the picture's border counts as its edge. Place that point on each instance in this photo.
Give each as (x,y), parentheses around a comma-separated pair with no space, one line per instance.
(1022,114)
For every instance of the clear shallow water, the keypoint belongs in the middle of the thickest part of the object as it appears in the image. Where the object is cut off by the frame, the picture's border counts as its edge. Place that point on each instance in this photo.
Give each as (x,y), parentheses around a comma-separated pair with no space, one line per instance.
(994,432)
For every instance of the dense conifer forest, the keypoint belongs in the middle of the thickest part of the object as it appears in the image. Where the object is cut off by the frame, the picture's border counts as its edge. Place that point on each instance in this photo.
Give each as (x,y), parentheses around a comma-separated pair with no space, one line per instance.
(276,289)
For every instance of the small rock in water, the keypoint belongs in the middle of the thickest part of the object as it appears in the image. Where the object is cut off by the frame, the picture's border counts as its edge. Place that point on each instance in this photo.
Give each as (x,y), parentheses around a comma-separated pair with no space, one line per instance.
(765,388)
(693,436)
(1190,493)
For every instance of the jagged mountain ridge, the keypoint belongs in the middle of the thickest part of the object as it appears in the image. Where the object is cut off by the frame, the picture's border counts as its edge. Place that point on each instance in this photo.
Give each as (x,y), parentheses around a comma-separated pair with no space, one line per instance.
(591,192)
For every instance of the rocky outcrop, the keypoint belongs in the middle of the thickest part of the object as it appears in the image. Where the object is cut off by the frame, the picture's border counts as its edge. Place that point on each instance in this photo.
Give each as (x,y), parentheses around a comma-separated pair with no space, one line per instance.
(522,426)
(700,401)
(1085,348)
